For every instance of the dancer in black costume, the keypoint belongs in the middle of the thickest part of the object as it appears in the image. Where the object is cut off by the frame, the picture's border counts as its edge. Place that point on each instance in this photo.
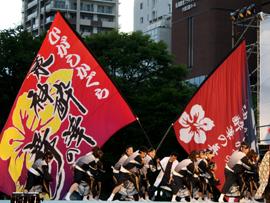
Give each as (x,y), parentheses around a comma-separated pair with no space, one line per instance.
(85,168)
(148,167)
(128,170)
(183,175)
(38,174)
(212,180)
(252,178)
(235,168)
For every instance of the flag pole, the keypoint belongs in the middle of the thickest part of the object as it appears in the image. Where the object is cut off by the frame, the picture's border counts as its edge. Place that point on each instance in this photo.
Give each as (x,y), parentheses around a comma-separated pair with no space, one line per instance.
(164,137)
(144,131)
(149,142)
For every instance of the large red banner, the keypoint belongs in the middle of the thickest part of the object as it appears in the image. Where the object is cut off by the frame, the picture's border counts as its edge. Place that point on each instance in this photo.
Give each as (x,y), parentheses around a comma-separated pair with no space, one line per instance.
(67,104)
(219,115)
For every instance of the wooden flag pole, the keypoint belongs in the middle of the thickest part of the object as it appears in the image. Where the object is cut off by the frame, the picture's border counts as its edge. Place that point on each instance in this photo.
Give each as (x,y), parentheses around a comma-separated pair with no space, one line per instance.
(144,131)
(149,142)
(164,137)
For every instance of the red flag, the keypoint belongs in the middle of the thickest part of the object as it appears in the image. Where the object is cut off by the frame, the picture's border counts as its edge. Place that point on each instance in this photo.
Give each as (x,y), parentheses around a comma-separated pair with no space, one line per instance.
(217,116)
(67,104)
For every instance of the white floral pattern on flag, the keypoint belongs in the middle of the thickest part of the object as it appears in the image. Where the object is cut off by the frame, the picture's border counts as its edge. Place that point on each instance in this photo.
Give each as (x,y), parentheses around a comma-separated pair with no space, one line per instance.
(195,125)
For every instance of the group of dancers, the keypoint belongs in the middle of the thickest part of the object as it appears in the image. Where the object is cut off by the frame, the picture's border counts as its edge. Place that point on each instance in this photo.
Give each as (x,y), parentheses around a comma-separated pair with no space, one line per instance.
(194,172)
(191,179)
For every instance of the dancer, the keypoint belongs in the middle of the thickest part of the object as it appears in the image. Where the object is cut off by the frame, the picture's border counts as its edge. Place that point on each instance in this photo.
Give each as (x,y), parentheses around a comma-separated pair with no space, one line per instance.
(234,169)
(209,155)
(96,186)
(84,169)
(117,166)
(200,182)
(212,180)
(116,170)
(183,174)
(38,175)
(251,177)
(167,164)
(149,166)
(128,170)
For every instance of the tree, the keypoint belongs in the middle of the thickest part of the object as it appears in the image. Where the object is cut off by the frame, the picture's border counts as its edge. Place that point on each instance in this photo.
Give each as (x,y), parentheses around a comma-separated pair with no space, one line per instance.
(155,90)
(18,50)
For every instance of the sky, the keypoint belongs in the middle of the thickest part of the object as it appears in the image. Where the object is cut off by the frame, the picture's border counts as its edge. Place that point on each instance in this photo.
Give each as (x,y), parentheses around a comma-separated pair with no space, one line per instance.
(10,14)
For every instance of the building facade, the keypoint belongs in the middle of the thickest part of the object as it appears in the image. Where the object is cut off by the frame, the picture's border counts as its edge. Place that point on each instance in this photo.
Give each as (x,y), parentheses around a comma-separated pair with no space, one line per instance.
(203,33)
(86,16)
(153,17)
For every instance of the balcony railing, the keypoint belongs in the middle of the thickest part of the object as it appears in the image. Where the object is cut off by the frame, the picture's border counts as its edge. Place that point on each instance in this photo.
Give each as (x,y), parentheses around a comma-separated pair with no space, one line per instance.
(113,1)
(49,19)
(32,3)
(72,7)
(46,8)
(31,15)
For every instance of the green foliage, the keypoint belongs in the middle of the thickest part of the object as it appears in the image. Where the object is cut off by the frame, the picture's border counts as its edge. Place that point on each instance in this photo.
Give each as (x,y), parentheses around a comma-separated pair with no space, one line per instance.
(18,50)
(154,89)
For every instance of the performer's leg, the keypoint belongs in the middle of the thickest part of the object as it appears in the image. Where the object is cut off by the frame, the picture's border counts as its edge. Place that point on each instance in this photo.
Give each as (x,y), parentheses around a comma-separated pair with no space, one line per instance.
(152,191)
(98,192)
(242,185)
(135,180)
(77,180)
(201,189)
(117,196)
(230,179)
(154,188)
(115,178)
(30,182)
(122,178)
(177,184)
(146,194)
(143,182)
(136,197)
(189,182)
(210,192)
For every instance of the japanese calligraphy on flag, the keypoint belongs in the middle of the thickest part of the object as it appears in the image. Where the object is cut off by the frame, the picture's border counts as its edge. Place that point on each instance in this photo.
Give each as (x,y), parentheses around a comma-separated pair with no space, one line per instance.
(67,104)
(219,116)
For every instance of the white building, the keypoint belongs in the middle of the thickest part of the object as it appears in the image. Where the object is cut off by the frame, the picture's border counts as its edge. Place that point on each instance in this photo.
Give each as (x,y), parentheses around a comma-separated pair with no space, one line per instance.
(154,17)
(87,16)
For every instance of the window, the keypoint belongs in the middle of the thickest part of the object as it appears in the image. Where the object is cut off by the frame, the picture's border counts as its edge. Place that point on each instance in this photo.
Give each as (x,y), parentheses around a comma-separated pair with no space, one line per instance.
(147,3)
(86,17)
(73,6)
(141,6)
(153,33)
(153,14)
(59,4)
(147,17)
(105,19)
(197,80)
(141,20)
(87,7)
(104,9)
